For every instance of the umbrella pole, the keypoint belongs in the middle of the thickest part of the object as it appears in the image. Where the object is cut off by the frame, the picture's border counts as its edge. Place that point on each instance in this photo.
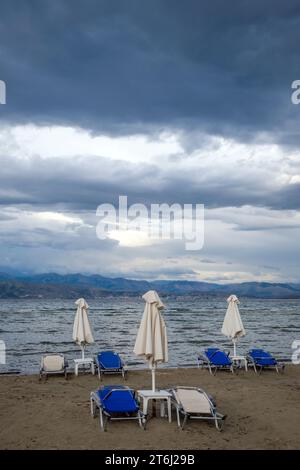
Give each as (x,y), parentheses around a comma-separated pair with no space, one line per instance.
(234,347)
(153,377)
(82,351)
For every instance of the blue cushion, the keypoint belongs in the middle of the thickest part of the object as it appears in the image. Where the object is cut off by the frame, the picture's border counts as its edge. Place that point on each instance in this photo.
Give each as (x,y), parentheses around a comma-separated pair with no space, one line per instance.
(217,357)
(109,360)
(117,399)
(262,358)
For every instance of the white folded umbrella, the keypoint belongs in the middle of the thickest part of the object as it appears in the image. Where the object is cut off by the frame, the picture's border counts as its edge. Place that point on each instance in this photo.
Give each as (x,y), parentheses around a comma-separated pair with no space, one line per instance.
(232,325)
(151,341)
(82,333)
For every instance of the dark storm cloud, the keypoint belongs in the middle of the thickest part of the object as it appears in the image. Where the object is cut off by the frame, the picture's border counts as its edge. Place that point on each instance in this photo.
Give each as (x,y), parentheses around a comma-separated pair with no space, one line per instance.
(85,182)
(224,66)
(208,74)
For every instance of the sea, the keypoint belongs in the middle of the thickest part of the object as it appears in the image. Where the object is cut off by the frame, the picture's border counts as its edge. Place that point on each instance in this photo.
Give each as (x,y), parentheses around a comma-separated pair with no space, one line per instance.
(30,328)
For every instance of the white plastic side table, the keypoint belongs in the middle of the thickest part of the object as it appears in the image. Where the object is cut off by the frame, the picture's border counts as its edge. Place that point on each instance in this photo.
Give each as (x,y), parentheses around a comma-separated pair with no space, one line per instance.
(240,360)
(87,361)
(162,395)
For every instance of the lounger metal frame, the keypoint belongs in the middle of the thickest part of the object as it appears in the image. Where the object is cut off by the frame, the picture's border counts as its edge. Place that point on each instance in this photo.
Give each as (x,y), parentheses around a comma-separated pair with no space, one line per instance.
(258,368)
(122,370)
(204,362)
(45,373)
(105,417)
(215,416)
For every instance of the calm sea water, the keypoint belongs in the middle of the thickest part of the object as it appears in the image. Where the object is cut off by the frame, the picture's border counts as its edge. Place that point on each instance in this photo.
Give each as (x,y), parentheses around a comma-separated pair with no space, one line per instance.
(34,327)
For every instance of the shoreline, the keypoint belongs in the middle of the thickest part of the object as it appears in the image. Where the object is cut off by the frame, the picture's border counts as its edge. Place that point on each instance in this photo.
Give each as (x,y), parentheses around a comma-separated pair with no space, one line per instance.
(133,368)
(263,412)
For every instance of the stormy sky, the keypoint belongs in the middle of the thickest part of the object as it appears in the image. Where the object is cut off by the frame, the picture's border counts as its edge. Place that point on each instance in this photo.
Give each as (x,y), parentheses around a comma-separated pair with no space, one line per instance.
(162,101)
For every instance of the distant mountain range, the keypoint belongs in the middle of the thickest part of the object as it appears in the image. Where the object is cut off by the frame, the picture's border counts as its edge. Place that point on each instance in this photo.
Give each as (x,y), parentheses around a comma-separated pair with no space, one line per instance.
(69,286)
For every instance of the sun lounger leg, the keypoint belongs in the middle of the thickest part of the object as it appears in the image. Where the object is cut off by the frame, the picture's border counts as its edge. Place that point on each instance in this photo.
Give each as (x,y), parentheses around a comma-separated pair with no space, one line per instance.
(178,416)
(142,420)
(219,421)
(184,421)
(101,419)
(92,407)
(217,424)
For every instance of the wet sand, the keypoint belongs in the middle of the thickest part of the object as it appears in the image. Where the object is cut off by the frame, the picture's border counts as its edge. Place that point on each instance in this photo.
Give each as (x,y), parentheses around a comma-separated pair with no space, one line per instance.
(263,412)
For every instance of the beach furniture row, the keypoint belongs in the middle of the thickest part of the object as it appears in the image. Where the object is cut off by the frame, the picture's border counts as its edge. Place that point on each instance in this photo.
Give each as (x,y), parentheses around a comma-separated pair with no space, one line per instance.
(119,402)
(106,362)
(214,359)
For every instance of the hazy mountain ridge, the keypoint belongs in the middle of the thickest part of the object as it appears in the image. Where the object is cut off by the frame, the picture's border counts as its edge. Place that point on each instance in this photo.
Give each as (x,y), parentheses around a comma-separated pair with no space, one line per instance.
(53,285)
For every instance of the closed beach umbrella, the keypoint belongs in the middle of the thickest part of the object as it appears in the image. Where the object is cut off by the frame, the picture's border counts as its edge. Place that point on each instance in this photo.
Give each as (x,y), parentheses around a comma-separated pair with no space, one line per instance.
(233,326)
(82,333)
(151,341)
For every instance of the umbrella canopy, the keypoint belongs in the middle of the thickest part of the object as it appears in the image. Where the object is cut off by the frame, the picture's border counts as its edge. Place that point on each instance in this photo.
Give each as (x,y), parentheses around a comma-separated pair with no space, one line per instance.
(151,341)
(232,325)
(82,333)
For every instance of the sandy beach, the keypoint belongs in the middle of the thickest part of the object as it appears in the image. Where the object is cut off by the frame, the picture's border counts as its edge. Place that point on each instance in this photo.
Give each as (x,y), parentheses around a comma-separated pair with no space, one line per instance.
(263,413)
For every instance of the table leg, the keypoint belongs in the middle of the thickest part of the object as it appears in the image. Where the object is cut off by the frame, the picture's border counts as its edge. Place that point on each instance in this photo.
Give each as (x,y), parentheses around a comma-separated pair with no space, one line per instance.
(162,408)
(76,369)
(145,406)
(169,409)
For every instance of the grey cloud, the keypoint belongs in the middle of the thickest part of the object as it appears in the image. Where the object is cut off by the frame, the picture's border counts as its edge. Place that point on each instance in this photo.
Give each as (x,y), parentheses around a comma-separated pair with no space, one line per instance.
(221,68)
(143,65)
(86,182)
(263,228)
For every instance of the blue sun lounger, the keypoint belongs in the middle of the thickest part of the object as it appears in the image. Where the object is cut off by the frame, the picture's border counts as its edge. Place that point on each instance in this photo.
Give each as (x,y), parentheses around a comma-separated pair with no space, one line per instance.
(116,402)
(109,362)
(214,359)
(260,359)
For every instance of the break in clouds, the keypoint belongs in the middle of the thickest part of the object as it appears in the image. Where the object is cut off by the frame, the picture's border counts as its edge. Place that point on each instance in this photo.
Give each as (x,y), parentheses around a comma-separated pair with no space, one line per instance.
(162,102)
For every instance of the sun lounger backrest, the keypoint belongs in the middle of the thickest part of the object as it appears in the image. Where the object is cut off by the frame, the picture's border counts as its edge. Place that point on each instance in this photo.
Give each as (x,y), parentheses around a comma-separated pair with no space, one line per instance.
(217,357)
(193,401)
(259,353)
(109,360)
(53,363)
(262,357)
(118,399)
